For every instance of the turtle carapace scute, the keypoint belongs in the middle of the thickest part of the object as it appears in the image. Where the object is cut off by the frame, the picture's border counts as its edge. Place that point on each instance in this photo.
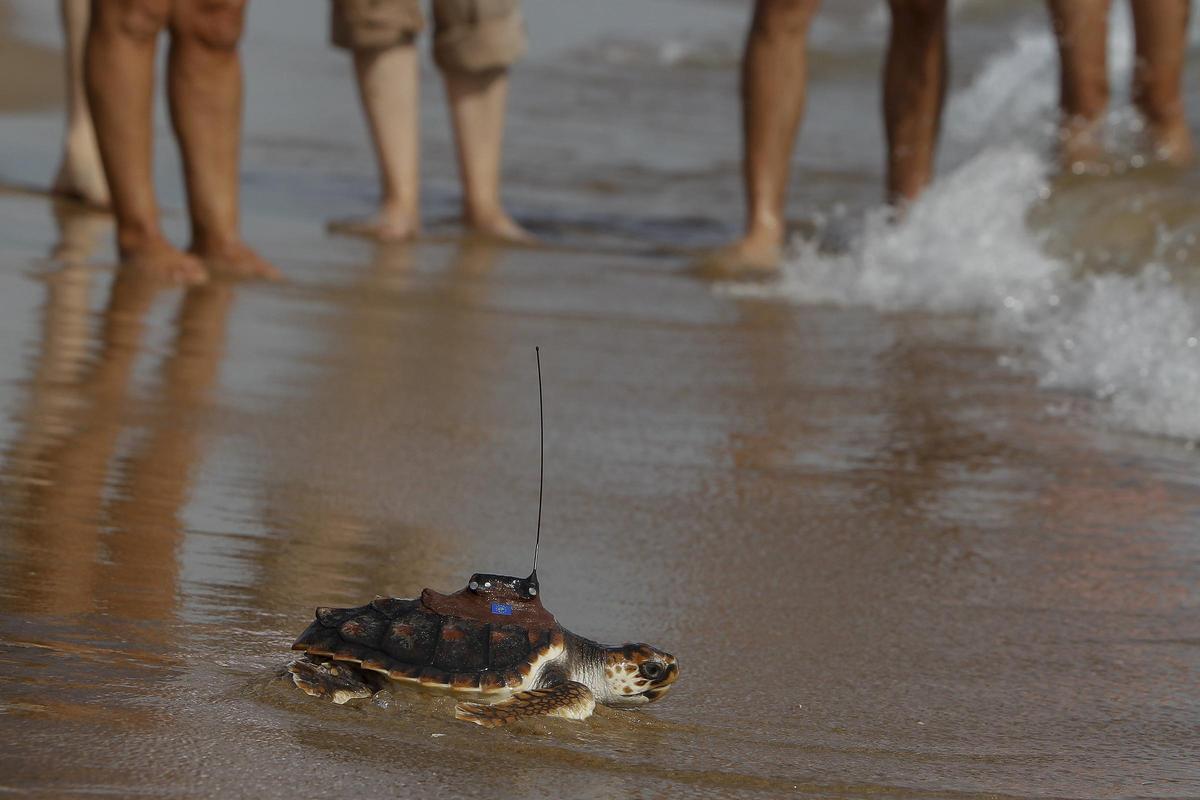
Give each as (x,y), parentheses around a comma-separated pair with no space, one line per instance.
(492,640)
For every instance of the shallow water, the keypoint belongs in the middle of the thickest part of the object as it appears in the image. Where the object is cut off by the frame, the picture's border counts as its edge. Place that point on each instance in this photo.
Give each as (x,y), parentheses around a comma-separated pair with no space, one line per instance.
(903,541)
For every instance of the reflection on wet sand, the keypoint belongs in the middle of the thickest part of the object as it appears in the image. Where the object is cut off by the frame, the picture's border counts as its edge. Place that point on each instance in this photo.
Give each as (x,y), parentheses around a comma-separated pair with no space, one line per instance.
(902,567)
(65,336)
(385,363)
(99,475)
(1094,500)
(928,454)
(94,482)
(864,574)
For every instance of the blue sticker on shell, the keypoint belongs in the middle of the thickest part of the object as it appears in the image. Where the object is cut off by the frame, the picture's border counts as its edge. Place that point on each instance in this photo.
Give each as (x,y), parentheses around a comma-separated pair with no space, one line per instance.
(502,608)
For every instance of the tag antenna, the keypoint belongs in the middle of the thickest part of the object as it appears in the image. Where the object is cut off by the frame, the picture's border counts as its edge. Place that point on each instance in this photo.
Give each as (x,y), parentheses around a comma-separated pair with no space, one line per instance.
(541,456)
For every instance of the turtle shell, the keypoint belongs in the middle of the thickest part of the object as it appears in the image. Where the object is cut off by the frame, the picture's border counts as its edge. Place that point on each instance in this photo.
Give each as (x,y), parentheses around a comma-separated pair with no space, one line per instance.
(406,640)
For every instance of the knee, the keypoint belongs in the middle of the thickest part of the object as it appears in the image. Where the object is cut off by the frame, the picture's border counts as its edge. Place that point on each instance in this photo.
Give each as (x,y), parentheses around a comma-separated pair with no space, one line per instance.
(212,24)
(137,19)
(783,18)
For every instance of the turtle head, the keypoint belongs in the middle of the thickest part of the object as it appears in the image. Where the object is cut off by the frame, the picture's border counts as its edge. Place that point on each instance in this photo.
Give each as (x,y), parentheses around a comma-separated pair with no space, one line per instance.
(636,674)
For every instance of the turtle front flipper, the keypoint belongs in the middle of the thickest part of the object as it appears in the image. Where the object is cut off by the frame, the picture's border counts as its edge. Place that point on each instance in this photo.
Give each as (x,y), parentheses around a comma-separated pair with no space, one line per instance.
(337,682)
(571,700)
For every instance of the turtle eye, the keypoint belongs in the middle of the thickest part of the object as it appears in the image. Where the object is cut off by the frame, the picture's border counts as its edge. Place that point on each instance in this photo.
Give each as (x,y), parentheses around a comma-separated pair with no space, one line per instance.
(652,670)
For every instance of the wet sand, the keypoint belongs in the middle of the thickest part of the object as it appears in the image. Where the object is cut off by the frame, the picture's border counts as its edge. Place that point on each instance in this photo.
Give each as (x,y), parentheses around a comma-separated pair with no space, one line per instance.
(875,584)
(889,565)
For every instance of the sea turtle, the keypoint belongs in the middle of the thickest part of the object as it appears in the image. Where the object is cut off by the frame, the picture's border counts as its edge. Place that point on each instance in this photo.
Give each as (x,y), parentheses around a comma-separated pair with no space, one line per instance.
(492,641)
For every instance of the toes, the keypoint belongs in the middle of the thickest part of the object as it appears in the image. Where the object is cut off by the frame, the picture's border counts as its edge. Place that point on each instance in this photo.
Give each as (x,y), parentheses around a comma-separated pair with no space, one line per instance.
(267,271)
(380,229)
(190,272)
(167,267)
(241,263)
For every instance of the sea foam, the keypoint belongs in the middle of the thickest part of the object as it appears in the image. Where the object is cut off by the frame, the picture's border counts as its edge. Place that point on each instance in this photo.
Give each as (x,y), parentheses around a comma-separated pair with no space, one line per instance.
(1131,340)
(1134,341)
(963,247)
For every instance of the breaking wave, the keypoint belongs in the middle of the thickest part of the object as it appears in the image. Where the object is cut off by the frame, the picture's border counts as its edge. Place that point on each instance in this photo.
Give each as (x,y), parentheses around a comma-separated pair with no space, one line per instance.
(1131,339)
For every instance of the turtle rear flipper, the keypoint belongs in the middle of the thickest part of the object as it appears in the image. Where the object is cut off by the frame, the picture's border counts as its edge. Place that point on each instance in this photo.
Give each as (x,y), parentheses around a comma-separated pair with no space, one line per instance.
(570,699)
(337,682)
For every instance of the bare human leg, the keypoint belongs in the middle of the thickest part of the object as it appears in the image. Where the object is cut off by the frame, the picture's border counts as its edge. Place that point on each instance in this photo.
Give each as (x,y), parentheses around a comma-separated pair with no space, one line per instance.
(204,86)
(1160,33)
(774,77)
(119,75)
(914,88)
(477,102)
(389,88)
(80,175)
(1081,27)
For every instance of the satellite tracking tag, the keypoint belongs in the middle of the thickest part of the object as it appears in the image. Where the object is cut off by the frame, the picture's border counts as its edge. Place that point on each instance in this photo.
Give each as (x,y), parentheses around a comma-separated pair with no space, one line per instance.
(502,608)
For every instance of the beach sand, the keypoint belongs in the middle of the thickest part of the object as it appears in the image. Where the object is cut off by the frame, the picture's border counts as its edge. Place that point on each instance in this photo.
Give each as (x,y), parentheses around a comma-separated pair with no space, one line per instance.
(889,562)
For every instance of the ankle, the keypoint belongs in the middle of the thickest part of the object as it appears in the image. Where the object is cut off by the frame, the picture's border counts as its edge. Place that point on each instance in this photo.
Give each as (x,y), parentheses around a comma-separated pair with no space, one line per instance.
(138,238)
(399,208)
(483,214)
(766,229)
(212,243)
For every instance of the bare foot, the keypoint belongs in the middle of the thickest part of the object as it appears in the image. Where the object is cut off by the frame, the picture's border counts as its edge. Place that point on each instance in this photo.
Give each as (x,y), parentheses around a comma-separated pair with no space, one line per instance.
(237,260)
(755,256)
(81,176)
(498,226)
(1080,146)
(158,259)
(1173,144)
(391,224)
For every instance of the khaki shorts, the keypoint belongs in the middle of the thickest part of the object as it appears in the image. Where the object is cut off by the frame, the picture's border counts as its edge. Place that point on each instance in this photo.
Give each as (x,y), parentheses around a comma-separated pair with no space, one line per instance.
(468,36)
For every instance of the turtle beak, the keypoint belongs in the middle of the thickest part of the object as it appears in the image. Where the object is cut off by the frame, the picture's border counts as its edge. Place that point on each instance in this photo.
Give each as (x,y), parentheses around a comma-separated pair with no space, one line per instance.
(654,694)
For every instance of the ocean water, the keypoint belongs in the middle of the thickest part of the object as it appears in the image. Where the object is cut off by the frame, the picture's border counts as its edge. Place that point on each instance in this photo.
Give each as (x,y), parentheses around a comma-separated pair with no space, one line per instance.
(919,520)
(1096,296)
